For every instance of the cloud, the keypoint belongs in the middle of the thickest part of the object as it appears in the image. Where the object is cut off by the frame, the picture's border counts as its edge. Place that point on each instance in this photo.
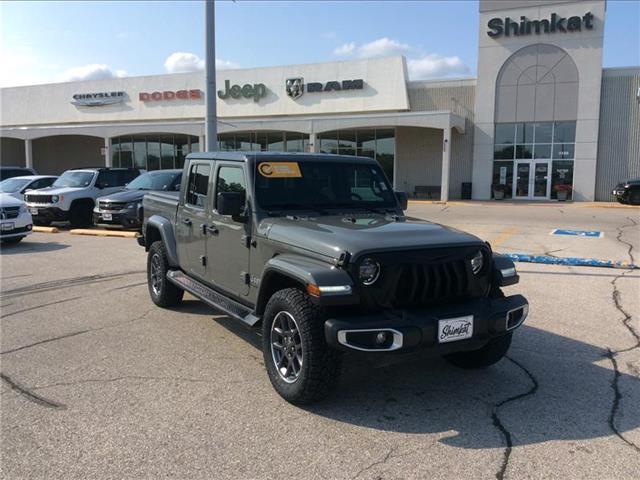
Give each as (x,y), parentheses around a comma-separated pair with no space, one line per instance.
(93,71)
(435,66)
(378,48)
(179,62)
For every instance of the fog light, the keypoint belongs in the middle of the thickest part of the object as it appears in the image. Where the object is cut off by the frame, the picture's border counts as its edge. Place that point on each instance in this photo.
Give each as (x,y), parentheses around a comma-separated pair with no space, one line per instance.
(381,338)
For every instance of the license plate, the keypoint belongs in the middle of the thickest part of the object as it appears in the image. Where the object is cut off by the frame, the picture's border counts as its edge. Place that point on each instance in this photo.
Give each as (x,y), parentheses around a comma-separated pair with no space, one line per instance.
(453,329)
(106,216)
(8,226)
(33,211)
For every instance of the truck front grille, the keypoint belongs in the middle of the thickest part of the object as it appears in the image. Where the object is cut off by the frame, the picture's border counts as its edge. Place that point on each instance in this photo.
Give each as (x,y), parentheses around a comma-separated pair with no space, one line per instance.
(9,212)
(38,199)
(112,205)
(425,278)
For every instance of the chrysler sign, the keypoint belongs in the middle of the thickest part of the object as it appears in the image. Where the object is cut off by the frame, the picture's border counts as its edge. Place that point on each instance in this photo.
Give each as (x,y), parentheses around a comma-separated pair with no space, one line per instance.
(97,99)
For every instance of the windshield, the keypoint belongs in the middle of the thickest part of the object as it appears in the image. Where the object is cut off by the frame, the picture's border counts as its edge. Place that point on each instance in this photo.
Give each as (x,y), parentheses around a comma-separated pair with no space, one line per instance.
(74,179)
(11,185)
(317,184)
(153,181)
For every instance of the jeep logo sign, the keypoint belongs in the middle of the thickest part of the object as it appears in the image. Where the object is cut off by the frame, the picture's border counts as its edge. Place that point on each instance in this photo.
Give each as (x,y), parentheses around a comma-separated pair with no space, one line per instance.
(255,91)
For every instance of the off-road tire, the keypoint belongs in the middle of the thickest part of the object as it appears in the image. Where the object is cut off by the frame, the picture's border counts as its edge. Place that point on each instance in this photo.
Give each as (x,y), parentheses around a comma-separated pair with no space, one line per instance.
(321,365)
(12,240)
(486,356)
(166,294)
(81,215)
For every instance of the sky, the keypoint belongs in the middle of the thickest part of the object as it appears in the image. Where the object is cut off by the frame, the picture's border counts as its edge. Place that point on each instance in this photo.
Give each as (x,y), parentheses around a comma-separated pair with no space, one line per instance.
(45,42)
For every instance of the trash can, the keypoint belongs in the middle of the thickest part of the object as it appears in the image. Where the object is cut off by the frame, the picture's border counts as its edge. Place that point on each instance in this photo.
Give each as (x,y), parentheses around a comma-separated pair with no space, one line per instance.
(466,191)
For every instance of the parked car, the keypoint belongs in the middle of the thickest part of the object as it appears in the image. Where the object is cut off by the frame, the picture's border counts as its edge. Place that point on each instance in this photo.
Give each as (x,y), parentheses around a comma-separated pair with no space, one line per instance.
(72,196)
(125,208)
(628,192)
(315,251)
(17,186)
(9,172)
(15,220)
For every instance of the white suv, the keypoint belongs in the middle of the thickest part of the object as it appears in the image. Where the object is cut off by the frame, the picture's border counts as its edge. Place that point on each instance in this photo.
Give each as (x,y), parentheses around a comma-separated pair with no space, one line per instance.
(15,221)
(72,196)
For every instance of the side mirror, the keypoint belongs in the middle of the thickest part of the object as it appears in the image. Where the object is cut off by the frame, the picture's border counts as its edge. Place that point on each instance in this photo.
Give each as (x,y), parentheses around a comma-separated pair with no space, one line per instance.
(230,203)
(403,199)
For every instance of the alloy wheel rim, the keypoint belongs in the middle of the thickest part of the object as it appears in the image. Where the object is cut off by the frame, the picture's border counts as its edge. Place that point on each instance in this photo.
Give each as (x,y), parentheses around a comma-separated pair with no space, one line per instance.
(286,347)
(156,274)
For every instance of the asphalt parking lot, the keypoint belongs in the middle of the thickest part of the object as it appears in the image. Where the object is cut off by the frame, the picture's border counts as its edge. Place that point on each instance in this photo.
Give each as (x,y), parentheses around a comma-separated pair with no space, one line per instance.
(97,382)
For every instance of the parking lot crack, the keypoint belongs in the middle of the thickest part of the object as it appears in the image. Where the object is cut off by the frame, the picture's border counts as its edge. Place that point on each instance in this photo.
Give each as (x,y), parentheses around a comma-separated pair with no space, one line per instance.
(29,395)
(119,379)
(497,422)
(617,397)
(54,339)
(384,460)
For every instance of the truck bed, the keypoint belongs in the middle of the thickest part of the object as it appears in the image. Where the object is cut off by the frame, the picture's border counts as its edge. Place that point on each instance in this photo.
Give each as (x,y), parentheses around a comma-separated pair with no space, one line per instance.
(164,204)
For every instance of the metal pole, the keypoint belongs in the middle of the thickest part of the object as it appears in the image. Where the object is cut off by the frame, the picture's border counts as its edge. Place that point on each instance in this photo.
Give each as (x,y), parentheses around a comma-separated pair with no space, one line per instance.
(211,127)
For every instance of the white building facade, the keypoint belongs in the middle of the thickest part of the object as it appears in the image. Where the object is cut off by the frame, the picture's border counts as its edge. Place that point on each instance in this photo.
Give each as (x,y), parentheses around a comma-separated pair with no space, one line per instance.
(541,116)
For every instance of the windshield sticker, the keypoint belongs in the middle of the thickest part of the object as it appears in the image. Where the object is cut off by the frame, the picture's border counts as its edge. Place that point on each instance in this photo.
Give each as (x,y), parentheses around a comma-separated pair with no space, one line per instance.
(280,170)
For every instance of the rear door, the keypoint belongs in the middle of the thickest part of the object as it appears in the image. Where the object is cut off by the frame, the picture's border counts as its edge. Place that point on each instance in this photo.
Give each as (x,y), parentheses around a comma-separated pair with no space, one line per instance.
(192,218)
(228,237)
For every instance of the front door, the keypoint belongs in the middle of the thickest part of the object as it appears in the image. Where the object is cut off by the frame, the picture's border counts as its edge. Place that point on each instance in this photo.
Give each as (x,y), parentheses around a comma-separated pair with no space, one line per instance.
(192,218)
(227,242)
(532,180)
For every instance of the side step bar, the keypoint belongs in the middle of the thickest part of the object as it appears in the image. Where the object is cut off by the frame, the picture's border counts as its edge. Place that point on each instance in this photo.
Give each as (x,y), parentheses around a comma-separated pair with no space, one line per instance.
(212,298)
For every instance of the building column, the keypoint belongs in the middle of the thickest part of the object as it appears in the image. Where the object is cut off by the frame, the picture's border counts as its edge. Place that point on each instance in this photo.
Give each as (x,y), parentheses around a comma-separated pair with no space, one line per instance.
(108,161)
(28,154)
(313,146)
(203,147)
(446,161)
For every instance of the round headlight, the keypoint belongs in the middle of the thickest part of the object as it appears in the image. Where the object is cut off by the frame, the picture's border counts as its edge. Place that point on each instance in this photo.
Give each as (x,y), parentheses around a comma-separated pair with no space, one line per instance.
(369,271)
(477,262)
(55,198)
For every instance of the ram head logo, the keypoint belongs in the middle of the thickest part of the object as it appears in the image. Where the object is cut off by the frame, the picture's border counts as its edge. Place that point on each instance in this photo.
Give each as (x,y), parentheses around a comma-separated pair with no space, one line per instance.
(295,87)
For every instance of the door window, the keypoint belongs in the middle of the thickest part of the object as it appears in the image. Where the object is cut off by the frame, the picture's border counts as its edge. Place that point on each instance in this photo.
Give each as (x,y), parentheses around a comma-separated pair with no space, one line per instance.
(231,179)
(522,179)
(540,179)
(107,179)
(198,184)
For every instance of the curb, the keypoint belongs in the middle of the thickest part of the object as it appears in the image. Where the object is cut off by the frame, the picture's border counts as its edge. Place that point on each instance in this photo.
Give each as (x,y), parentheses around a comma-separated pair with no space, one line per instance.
(103,233)
(45,229)
(571,261)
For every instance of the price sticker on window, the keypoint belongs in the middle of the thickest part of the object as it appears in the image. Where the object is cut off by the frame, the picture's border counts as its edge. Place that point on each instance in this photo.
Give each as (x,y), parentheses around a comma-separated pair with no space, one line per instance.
(279,170)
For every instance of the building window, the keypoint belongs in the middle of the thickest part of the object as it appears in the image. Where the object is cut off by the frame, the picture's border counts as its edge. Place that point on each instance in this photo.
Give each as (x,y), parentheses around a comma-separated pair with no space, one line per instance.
(547,140)
(152,152)
(373,143)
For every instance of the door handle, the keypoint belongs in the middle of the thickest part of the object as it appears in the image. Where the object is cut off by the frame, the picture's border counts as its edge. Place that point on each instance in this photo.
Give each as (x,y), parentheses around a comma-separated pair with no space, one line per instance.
(186,221)
(212,229)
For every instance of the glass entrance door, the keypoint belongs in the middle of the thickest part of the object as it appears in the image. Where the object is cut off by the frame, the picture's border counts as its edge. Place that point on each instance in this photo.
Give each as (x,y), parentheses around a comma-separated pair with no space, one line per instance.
(532,180)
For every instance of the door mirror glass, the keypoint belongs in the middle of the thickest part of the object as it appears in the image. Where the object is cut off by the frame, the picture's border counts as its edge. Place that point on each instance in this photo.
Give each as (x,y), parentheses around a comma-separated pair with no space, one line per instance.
(403,199)
(230,203)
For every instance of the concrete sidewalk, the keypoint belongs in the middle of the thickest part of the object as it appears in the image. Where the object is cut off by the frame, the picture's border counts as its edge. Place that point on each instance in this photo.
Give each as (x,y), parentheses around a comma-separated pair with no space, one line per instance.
(524,203)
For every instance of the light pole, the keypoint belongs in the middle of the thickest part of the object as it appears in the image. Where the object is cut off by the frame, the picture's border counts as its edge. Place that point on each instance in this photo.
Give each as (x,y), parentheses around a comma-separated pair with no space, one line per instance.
(211,127)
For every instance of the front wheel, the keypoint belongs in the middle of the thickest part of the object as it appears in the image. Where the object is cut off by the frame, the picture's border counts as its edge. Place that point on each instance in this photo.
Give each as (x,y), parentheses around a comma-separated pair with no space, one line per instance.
(484,357)
(12,240)
(301,367)
(162,292)
(81,215)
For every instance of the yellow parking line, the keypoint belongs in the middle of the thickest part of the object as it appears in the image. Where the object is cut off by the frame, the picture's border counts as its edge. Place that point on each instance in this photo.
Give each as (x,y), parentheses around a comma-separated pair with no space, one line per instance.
(45,229)
(506,233)
(104,233)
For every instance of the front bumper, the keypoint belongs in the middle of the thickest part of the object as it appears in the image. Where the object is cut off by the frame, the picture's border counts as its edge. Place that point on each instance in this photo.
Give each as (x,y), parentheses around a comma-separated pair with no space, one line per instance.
(407,330)
(21,231)
(126,218)
(49,214)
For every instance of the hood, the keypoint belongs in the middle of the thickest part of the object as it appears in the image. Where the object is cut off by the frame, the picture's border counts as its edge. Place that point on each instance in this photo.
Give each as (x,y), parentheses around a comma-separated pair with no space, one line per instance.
(55,190)
(124,196)
(331,235)
(17,195)
(6,200)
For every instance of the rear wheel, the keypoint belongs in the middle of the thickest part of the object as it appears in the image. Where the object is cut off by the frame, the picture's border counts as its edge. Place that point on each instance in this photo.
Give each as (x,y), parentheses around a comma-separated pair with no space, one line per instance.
(163,293)
(301,367)
(81,215)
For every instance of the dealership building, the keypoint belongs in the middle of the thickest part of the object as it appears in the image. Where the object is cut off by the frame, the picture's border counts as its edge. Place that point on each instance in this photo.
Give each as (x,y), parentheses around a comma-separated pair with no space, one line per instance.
(542,119)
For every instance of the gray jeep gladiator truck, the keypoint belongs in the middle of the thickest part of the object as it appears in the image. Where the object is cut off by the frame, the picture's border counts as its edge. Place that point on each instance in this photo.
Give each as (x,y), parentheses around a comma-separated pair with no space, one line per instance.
(316,253)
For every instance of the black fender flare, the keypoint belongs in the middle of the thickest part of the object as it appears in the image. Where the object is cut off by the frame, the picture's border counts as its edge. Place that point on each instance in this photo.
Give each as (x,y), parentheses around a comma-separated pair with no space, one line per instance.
(165,229)
(305,271)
